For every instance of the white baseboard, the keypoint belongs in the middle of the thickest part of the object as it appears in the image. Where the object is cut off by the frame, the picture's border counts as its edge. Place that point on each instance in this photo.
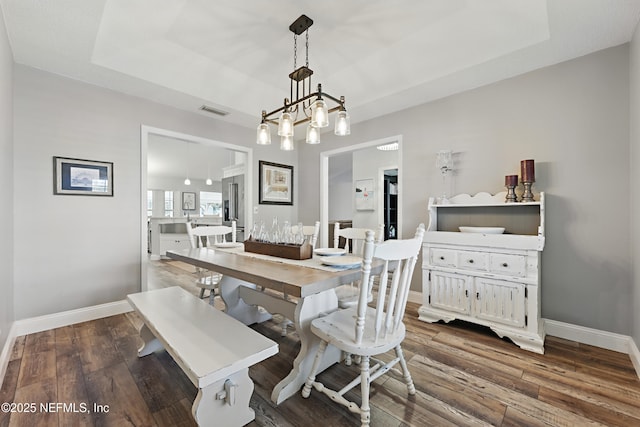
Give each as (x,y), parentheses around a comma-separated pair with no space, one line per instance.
(6,353)
(56,320)
(594,337)
(66,318)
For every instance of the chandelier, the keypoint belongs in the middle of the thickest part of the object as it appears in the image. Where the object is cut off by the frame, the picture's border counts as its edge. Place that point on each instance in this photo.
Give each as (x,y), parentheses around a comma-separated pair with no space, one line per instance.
(302,106)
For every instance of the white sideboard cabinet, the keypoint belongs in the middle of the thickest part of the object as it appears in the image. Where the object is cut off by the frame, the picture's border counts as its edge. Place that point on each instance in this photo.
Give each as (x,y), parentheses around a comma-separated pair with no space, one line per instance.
(484,278)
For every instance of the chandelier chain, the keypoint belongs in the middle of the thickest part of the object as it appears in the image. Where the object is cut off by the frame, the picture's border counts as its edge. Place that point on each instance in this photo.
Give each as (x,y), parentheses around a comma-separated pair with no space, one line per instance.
(295,50)
(307,48)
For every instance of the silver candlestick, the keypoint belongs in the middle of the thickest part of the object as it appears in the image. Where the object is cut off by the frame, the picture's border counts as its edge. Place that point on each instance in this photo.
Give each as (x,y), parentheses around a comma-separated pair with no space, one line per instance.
(511,194)
(527,196)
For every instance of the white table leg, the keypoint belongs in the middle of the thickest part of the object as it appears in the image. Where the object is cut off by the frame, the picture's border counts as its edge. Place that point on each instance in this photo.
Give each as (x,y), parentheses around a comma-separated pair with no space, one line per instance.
(226,402)
(236,307)
(308,309)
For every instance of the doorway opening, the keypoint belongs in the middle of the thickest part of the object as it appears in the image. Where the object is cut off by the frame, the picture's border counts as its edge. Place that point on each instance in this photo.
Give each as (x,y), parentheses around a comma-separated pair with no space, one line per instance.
(146,133)
(390,203)
(366,163)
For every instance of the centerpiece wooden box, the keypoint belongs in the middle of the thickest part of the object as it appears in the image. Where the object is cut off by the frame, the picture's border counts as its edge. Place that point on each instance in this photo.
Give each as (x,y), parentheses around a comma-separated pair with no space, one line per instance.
(281,250)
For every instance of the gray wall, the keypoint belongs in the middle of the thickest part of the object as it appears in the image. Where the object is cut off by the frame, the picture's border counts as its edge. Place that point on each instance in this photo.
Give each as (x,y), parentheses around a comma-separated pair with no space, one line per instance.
(573,119)
(341,184)
(635,175)
(78,251)
(6,189)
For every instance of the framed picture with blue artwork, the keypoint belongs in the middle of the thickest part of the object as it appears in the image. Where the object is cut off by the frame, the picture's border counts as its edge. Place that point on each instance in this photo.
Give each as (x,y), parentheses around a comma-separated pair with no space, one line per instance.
(82,177)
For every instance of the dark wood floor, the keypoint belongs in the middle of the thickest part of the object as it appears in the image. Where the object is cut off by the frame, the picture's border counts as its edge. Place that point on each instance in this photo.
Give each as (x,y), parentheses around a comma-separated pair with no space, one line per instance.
(465,376)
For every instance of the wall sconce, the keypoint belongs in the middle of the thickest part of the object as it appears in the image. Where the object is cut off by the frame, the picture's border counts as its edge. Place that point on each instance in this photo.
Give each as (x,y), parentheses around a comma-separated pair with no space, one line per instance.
(444,162)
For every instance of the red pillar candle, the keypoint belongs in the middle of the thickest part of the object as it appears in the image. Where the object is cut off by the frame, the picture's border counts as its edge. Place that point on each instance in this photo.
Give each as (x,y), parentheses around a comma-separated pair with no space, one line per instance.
(511,180)
(527,171)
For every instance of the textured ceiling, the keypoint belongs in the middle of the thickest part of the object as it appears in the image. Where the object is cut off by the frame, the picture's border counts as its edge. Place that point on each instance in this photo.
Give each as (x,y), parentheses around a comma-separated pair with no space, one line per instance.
(383,56)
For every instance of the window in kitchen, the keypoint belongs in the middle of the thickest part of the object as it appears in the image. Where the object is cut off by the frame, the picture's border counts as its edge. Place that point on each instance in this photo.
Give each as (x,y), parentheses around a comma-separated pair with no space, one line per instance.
(210,203)
(149,203)
(168,203)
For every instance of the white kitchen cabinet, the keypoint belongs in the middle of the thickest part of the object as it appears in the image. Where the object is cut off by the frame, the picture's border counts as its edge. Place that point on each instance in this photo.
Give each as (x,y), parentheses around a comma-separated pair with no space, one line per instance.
(173,242)
(488,279)
(168,233)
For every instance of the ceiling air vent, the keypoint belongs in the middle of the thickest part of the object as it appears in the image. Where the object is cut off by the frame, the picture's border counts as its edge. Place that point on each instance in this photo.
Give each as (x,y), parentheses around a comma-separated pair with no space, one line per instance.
(214,110)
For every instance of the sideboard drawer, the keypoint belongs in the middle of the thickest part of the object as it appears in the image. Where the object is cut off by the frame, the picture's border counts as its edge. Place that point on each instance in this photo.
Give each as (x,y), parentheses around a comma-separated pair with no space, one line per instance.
(511,265)
(473,260)
(442,257)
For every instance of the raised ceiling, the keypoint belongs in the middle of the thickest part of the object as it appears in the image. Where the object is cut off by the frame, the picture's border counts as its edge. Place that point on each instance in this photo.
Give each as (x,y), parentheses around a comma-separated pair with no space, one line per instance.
(235,56)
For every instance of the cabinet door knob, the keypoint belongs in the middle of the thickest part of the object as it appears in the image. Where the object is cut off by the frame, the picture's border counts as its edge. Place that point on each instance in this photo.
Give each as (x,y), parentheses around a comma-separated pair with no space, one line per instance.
(442,258)
(504,264)
(470,261)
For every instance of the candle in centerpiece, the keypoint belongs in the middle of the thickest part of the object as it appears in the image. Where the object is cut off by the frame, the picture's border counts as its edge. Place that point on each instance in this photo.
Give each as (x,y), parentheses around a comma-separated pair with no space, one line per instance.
(527,171)
(511,180)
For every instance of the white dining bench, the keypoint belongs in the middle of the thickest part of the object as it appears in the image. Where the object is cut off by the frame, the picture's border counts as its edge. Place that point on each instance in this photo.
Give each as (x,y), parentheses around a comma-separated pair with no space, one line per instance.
(213,349)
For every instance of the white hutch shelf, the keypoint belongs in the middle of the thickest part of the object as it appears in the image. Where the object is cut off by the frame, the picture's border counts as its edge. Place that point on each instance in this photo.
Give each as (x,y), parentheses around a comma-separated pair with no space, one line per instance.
(488,279)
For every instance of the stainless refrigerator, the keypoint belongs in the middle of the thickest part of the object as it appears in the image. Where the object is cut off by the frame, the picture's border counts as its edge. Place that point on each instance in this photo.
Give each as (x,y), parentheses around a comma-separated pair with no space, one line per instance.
(233,203)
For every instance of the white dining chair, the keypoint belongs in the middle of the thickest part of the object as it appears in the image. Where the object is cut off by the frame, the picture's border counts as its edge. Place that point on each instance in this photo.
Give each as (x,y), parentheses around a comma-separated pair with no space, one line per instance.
(354,242)
(310,232)
(370,330)
(205,236)
(354,239)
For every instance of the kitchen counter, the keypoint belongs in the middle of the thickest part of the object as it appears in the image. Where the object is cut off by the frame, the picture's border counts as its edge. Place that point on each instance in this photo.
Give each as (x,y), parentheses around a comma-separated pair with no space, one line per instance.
(171,233)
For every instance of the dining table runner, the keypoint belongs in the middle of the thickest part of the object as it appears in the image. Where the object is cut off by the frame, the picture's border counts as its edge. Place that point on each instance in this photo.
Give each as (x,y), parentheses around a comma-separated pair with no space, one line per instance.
(314,262)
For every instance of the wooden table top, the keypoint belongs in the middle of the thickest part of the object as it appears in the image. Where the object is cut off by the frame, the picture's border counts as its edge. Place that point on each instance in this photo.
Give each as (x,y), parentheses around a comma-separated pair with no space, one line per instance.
(294,280)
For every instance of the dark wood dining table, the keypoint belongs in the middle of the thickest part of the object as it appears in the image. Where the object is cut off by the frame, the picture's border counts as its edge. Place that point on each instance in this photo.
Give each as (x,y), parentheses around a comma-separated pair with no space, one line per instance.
(254,288)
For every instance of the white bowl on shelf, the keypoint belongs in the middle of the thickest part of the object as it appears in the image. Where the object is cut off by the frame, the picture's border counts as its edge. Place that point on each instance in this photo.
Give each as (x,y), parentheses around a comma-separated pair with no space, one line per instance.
(482,230)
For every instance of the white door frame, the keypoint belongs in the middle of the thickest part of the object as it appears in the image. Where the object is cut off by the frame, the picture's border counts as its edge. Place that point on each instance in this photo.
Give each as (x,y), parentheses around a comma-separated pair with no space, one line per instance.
(324,182)
(145,131)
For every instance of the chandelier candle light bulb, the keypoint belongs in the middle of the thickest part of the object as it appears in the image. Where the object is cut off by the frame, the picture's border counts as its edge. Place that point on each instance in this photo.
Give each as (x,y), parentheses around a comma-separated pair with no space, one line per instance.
(285,128)
(313,135)
(264,133)
(343,122)
(319,114)
(286,143)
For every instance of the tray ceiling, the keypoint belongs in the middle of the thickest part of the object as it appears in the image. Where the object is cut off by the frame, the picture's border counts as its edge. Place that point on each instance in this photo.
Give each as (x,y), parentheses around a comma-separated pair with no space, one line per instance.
(383,56)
